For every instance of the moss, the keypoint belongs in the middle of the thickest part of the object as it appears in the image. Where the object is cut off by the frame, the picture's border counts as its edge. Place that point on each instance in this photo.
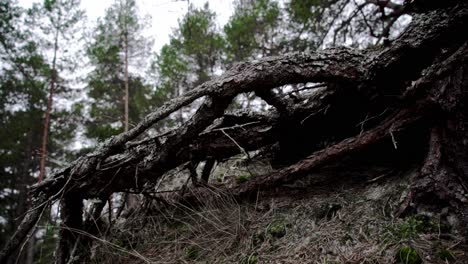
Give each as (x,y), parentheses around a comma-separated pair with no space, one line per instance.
(258,238)
(277,229)
(192,253)
(408,255)
(446,255)
(410,228)
(425,224)
(242,179)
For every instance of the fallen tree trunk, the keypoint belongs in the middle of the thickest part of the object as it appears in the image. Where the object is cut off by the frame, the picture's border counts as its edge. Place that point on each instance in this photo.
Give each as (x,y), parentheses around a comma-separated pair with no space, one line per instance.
(420,80)
(342,67)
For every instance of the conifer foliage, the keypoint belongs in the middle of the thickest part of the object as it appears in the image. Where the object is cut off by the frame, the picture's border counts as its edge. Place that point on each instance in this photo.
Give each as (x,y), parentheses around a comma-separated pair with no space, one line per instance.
(302,84)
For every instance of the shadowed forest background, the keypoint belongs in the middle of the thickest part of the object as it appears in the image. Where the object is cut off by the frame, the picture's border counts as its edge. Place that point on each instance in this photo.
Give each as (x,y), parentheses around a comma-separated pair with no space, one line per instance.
(148,137)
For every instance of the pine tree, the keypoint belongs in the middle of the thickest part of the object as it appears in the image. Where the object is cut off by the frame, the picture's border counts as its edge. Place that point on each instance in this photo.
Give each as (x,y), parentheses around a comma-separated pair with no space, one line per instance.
(23,99)
(251,31)
(199,40)
(119,96)
(192,56)
(61,18)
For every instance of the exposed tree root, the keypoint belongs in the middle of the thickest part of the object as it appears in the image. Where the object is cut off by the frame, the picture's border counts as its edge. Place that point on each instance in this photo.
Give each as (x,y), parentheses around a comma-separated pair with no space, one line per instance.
(418,81)
(330,154)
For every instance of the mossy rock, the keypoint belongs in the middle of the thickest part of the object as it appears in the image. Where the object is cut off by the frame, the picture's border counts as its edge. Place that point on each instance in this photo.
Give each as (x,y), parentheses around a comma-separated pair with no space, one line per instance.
(277,229)
(408,255)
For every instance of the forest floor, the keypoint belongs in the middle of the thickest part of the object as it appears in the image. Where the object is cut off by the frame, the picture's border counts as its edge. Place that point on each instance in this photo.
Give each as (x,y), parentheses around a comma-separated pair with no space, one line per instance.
(345,217)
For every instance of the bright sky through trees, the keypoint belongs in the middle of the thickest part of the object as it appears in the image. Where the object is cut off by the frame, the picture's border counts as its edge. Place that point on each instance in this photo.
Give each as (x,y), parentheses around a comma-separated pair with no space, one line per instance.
(164,13)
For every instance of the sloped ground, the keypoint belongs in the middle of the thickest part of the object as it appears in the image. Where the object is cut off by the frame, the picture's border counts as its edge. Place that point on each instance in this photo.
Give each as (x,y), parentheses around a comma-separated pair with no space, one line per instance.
(331,217)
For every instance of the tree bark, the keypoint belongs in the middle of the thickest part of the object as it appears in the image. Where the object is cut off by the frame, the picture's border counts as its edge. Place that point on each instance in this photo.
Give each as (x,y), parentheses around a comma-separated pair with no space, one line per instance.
(126,95)
(342,67)
(71,226)
(418,83)
(53,79)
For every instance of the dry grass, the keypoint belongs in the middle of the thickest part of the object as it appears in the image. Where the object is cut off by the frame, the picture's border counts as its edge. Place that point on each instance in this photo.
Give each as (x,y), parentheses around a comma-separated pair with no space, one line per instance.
(314,222)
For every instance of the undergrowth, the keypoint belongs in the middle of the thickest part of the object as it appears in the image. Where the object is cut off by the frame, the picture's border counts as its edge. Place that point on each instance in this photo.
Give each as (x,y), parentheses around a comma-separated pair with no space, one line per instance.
(352,223)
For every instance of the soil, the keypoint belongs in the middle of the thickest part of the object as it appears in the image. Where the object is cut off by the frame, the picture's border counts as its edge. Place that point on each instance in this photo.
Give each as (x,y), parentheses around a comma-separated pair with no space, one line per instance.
(336,215)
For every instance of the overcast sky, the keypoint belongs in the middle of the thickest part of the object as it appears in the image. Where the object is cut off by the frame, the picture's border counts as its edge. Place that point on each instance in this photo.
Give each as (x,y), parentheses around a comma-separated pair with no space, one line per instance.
(164,13)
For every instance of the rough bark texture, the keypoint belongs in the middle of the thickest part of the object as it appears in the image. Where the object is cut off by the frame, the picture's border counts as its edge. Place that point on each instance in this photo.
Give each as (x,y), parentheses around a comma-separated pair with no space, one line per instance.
(71,215)
(418,83)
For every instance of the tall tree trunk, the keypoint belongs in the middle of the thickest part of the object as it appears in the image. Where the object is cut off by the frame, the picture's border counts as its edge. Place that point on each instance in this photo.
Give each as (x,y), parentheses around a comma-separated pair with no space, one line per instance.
(53,79)
(129,199)
(126,96)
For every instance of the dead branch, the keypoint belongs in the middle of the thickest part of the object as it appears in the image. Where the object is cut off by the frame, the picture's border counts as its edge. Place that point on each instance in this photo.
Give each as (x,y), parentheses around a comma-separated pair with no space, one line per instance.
(358,83)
